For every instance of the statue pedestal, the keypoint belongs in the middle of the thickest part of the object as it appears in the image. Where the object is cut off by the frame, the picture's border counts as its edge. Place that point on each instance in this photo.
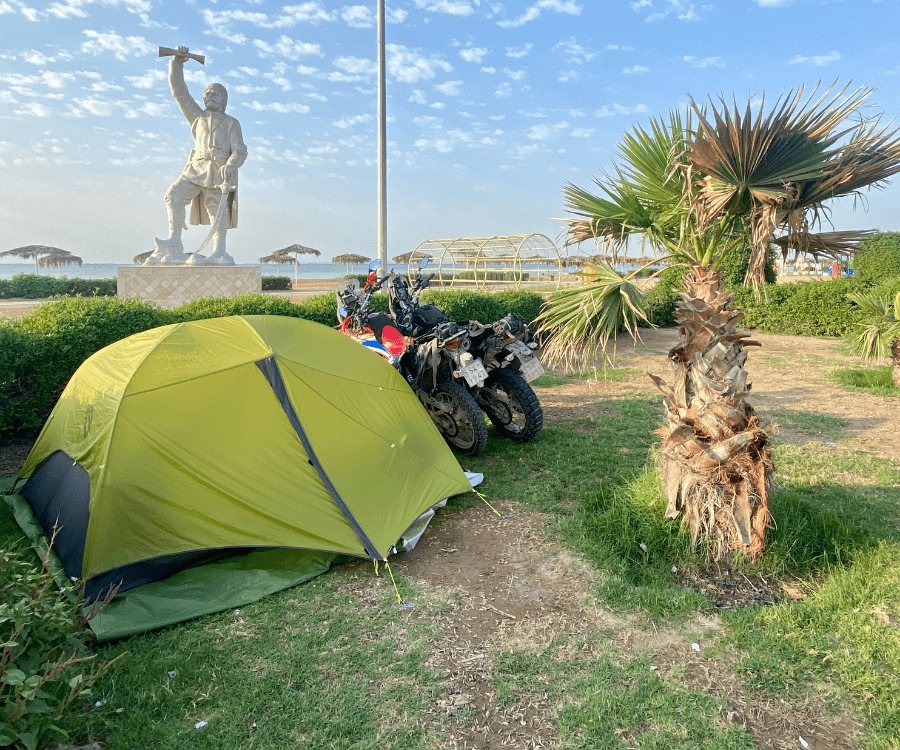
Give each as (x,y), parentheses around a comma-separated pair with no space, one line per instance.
(171,286)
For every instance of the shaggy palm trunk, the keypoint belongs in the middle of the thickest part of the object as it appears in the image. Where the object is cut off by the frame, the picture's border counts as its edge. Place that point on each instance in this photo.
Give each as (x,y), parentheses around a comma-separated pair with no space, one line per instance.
(716,464)
(895,361)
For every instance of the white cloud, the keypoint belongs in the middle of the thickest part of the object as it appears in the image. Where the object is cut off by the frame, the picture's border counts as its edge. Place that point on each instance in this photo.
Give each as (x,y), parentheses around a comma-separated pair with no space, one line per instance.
(503,90)
(325,148)
(220,21)
(544,132)
(636,70)
(101,86)
(76,8)
(517,52)
(568,75)
(7,98)
(36,58)
(418,97)
(149,80)
(98,107)
(450,88)
(122,47)
(582,132)
(358,16)
(348,122)
(278,107)
(34,108)
(154,109)
(816,60)
(610,110)
(535,10)
(245,88)
(451,7)
(574,52)
(441,145)
(680,8)
(490,71)
(356,65)
(515,75)
(773,3)
(287,47)
(6,8)
(408,66)
(472,54)
(705,62)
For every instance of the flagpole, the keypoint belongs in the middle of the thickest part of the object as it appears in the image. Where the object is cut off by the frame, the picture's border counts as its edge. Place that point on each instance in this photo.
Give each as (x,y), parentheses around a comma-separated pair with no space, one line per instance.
(382,142)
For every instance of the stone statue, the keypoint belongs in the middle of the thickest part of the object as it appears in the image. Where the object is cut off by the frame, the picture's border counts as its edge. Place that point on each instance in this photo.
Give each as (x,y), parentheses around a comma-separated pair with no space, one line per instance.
(209,179)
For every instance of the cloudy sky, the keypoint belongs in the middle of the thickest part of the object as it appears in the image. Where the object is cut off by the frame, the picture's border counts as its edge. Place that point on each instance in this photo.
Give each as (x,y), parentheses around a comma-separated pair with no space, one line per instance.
(492,107)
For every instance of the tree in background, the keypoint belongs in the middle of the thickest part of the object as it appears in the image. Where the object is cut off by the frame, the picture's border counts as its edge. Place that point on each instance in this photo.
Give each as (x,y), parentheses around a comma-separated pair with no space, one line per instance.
(694,194)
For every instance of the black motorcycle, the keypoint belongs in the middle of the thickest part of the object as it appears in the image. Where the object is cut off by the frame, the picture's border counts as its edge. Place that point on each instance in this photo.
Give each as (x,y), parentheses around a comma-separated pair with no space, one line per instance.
(494,363)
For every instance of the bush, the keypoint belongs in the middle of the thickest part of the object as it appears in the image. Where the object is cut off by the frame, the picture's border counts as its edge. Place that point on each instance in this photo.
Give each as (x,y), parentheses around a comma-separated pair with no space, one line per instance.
(815,308)
(525,304)
(464,304)
(30,286)
(47,346)
(275,283)
(44,665)
(243,304)
(878,258)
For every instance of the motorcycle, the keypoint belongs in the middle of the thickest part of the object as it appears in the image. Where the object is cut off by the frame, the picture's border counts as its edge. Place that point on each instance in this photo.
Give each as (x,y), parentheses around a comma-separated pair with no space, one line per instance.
(494,363)
(428,362)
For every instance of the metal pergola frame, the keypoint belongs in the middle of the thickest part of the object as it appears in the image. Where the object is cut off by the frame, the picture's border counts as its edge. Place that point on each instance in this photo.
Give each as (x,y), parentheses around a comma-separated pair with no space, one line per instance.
(506,259)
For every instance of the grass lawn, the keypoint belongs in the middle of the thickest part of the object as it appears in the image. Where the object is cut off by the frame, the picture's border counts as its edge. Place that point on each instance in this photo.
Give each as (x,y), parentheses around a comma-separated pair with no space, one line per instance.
(311,668)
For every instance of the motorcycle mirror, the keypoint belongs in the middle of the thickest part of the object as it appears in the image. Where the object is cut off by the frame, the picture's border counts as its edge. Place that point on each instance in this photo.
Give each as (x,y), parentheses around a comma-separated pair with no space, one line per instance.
(375,265)
(424,262)
(342,311)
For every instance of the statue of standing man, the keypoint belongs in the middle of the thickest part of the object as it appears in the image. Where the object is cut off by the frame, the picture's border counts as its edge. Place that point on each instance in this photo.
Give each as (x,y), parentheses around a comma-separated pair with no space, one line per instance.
(209,179)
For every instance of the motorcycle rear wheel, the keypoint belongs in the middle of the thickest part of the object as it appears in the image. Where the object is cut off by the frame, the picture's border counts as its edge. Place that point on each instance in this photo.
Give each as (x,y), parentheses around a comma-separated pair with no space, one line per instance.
(463,426)
(513,408)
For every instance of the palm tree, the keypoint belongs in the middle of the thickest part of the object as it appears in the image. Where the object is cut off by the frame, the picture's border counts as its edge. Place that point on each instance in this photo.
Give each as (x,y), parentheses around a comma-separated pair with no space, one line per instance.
(879,336)
(693,194)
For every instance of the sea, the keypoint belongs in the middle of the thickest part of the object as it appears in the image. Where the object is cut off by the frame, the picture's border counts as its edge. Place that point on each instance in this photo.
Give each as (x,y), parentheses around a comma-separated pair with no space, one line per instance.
(110,270)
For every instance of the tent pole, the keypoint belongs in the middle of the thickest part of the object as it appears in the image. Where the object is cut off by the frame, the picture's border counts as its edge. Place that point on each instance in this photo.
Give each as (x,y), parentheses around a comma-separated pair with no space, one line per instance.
(382,142)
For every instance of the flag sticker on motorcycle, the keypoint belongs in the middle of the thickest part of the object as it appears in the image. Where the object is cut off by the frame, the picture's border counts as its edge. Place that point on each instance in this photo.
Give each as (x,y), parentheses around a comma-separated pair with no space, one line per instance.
(531,368)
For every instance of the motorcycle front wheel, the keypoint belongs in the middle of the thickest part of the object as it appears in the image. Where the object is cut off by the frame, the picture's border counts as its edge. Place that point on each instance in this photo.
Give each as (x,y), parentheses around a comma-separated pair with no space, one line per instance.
(461,423)
(512,406)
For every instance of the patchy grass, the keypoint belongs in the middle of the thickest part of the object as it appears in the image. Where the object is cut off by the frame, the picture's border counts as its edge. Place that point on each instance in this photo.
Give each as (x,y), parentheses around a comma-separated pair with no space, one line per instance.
(811,423)
(876,380)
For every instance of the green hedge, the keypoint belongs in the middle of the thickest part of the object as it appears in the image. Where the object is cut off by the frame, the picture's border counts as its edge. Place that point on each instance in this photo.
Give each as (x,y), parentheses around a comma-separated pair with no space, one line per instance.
(30,286)
(41,351)
(878,258)
(805,308)
(275,283)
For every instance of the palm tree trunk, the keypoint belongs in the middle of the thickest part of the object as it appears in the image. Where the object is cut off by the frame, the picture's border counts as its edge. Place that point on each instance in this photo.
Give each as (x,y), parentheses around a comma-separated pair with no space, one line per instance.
(715,461)
(895,361)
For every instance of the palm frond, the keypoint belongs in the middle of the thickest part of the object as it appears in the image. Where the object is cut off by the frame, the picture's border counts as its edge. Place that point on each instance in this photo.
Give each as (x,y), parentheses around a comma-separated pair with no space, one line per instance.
(578,324)
(875,336)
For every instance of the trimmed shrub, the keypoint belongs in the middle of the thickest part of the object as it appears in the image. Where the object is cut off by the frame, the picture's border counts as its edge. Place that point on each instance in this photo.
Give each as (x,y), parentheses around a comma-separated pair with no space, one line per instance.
(878,258)
(243,304)
(275,283)
(464,304)
(47,347)
(815,308)
(525,304)
(30,286)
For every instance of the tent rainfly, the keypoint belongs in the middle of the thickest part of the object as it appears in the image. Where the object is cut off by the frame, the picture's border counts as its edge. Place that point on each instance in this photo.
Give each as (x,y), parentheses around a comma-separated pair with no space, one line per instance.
(273,441)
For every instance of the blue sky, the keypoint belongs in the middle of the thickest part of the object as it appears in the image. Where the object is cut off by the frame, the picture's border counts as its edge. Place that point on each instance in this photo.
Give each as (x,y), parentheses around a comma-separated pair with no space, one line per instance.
(492,108)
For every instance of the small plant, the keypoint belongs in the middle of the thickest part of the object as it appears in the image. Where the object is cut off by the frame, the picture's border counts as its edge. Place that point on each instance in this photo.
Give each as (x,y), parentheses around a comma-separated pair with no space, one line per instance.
(44,663)
(879,334)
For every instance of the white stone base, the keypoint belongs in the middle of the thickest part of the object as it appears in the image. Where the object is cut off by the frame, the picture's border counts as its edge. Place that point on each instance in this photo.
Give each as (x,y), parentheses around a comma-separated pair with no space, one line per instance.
(171,286)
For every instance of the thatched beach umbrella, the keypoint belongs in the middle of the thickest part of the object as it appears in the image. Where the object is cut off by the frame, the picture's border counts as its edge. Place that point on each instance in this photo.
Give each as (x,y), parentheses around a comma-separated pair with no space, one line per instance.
(296,251)
(141,257)
(60,259)
(33,251)
(278,257)
(411,256)
(350,258)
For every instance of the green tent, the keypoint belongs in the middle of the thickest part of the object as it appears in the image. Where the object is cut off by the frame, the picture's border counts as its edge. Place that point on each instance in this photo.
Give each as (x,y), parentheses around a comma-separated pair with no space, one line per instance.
(274,442)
